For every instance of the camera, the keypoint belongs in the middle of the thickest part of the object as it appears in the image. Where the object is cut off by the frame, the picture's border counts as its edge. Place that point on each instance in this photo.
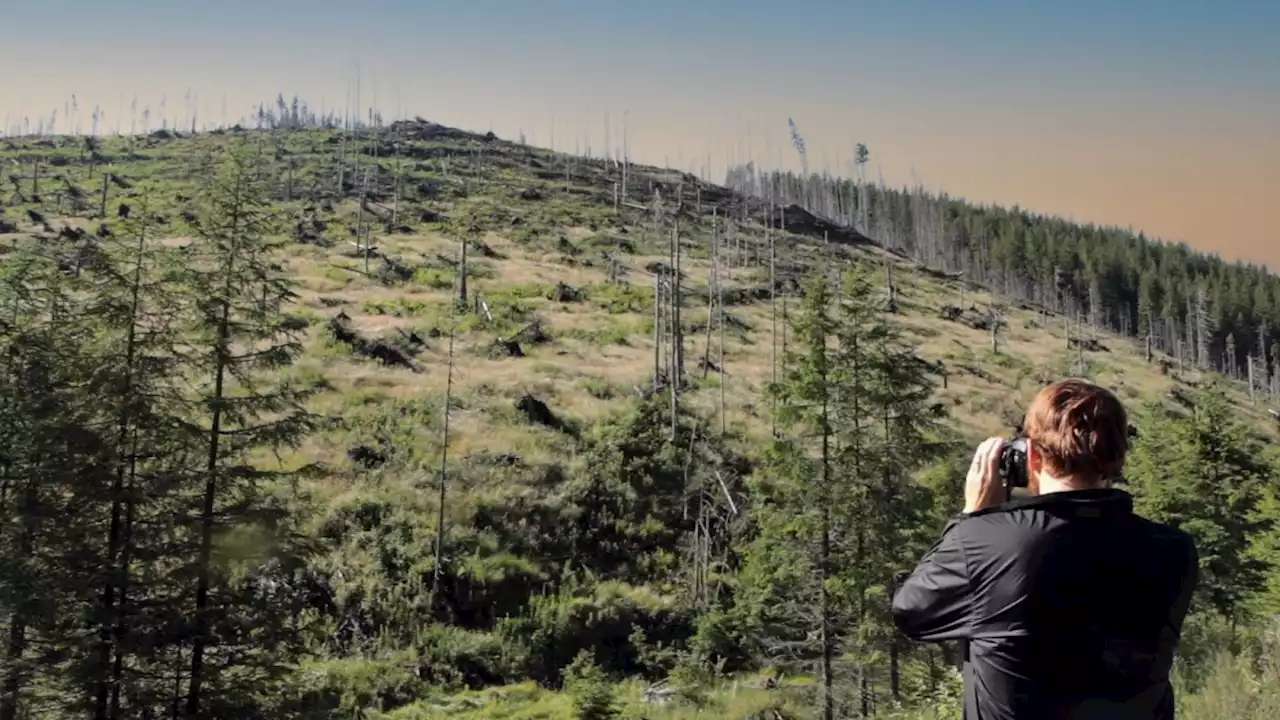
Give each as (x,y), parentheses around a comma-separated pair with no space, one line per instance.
(1013,464)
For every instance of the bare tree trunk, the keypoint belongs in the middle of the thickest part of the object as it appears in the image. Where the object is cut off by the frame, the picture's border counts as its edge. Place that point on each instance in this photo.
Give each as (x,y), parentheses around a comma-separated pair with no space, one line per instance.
(995,332)
(773,316)
(395,207)
(1275,375)
(1253,398)
(711,291)
(626,160)
(720,312)
(462,272)
(677,335)
(890,291)
(679,328)
(784,334)
(102,208)
(364,244)
(444,468)
(342,163)
(657,327)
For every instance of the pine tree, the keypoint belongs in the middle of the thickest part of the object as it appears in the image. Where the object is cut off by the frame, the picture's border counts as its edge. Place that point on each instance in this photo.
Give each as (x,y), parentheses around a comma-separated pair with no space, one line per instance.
(592,694)
(839,493)
(910,442)
(887,432)
(1203,474)
(792,563)
(133,293)
(50,472)
(244,337)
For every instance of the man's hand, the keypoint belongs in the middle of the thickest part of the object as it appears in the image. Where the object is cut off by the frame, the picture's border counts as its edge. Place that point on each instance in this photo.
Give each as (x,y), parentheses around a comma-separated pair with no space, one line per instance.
(982,487)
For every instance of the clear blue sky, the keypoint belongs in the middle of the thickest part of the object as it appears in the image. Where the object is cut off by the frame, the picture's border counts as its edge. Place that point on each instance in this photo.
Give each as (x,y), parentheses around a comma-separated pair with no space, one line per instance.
(1160,114)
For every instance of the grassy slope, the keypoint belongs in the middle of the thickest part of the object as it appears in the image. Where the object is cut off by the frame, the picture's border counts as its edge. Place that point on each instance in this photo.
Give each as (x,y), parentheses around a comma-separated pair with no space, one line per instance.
(600,348)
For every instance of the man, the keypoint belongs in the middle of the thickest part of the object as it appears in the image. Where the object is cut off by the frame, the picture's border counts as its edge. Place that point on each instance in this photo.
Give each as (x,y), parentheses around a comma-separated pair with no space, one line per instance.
(1069,604)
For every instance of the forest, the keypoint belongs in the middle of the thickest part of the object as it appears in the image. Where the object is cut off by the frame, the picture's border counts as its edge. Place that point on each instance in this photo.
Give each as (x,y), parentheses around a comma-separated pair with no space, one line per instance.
(335,419)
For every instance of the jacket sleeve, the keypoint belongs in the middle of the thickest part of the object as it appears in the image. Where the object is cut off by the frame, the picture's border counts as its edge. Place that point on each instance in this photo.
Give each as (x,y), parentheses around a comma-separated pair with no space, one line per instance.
(933,602)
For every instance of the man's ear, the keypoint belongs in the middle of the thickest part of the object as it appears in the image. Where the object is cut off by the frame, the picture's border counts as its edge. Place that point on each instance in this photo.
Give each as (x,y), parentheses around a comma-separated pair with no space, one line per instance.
(1033,468)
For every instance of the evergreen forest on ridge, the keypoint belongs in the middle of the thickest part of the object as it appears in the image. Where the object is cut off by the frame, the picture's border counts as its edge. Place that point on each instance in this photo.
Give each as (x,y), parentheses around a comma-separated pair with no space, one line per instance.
(366,420)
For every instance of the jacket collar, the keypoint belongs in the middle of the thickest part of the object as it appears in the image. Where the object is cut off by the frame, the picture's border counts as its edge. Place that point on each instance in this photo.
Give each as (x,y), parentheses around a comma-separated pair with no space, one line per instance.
(1110,501)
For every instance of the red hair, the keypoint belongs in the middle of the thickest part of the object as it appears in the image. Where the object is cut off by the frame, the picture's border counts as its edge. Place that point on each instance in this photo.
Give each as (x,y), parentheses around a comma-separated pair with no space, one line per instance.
(1081,430)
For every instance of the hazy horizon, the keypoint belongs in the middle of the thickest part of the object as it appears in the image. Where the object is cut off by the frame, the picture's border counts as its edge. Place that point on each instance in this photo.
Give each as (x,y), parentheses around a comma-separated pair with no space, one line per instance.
(1163,117)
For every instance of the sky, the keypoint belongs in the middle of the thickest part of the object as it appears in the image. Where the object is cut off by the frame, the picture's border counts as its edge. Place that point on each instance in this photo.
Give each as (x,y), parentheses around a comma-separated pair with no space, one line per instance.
(1160,115)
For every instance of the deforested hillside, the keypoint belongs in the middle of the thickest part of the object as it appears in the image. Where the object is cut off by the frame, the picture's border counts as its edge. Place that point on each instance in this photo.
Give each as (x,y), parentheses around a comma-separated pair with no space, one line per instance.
(406,421)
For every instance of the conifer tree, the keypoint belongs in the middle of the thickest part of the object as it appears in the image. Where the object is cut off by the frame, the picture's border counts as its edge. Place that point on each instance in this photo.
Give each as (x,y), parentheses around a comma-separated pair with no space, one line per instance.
(131,286)
(838,498)
(243,337)
(49,468)
(793,592)
(887,433)
(1204,474)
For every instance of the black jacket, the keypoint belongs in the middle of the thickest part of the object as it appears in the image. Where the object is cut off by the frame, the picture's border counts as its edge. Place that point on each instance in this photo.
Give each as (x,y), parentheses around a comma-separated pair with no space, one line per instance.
(1070,606)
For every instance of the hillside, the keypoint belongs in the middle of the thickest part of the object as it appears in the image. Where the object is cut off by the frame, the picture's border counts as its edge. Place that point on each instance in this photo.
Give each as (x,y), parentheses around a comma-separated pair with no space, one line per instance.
(436,266)
(534,219)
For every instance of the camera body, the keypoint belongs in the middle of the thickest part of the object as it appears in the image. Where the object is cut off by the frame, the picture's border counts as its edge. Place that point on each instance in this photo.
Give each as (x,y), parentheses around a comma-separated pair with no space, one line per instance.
(1013,464)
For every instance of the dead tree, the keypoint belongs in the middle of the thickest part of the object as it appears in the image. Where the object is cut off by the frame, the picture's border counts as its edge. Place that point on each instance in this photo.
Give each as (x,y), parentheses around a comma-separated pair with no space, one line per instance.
(462,271)
(395,209)
(713,281)
(720,313)
(1275,375)
(444,466)
(995,330)
(102,204)
(891,295)
(773,316)
(1253,397)
(657,328)
(677,333)
(626,160)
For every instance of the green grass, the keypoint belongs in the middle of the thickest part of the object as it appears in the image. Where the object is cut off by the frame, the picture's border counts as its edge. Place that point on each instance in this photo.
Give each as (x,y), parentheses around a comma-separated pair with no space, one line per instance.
(376,525)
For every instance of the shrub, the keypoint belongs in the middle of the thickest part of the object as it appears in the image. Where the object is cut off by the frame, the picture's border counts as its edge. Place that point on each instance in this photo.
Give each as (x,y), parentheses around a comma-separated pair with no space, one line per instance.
(454,658)
(603,620)
(592,696)
(352,687)
(619,298)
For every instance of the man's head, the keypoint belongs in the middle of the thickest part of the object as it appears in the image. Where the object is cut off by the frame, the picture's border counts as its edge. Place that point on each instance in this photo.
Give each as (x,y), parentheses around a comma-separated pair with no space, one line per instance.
(1079,435)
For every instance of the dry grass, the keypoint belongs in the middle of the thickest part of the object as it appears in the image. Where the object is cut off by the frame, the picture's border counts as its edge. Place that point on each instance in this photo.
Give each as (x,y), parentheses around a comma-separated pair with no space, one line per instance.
(596,359)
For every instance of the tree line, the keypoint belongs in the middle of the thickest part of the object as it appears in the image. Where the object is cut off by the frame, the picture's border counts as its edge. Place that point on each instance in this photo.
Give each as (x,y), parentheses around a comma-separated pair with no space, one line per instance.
(1196,308)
